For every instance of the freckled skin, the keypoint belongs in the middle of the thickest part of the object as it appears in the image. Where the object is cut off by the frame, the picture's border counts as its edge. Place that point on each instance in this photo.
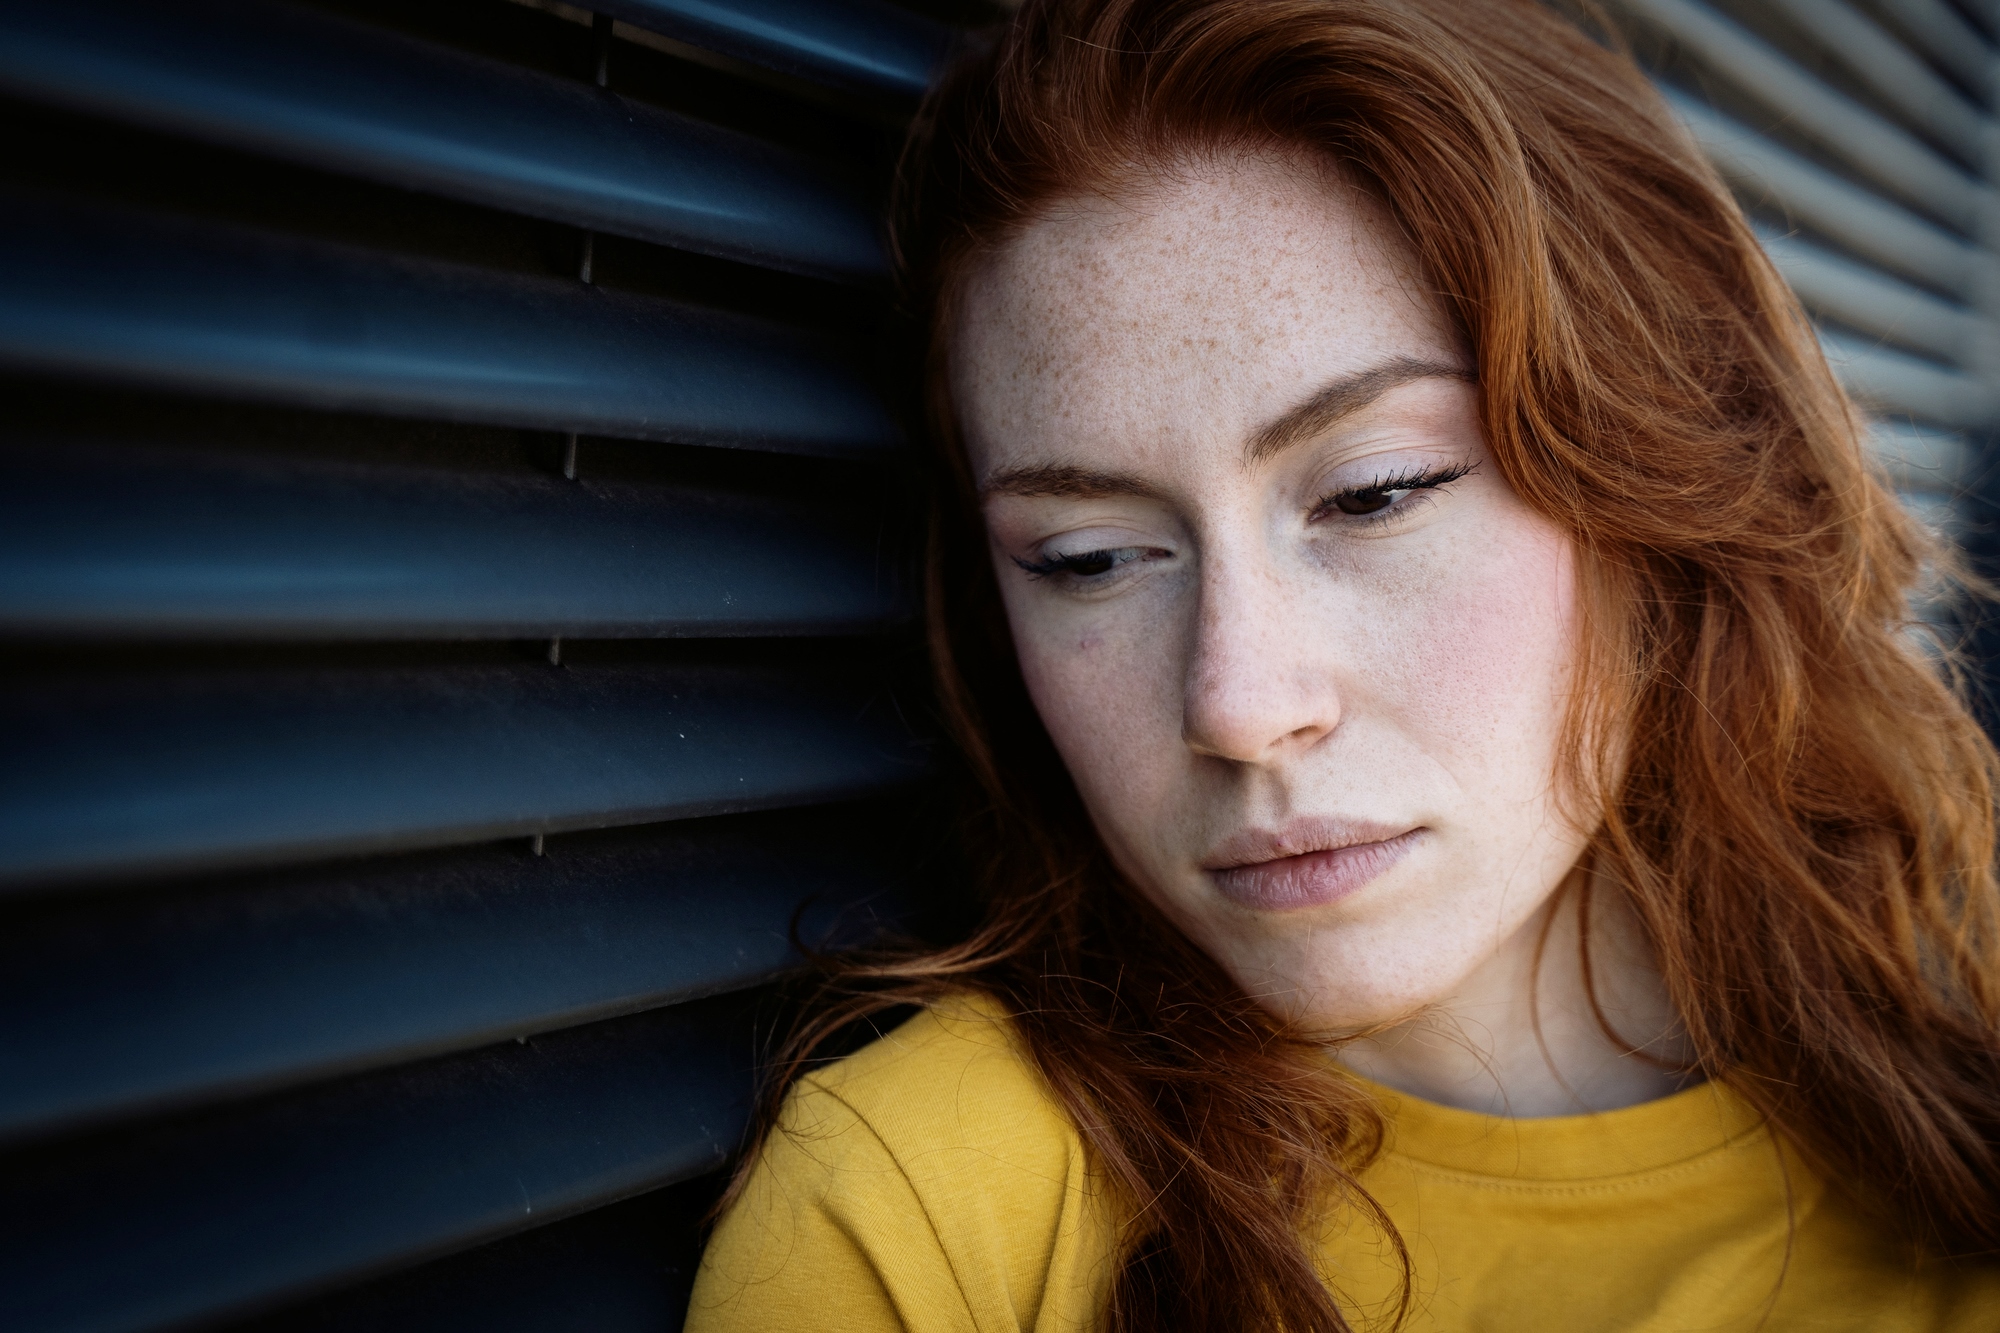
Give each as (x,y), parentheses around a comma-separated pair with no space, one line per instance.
(1264,657)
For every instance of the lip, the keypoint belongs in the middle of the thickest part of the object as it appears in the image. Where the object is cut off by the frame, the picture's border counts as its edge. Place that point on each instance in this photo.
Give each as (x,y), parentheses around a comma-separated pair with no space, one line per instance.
(1306,864)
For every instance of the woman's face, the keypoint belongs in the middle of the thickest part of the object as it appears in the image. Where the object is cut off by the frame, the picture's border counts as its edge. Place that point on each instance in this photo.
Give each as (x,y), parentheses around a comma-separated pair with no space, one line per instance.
(1303,650)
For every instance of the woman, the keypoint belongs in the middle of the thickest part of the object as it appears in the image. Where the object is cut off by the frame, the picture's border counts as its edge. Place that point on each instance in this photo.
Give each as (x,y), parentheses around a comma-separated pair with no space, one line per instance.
(1469,837)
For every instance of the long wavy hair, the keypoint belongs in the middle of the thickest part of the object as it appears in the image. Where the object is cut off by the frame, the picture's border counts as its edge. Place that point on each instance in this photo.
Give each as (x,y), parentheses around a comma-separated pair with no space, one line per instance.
(1797,804)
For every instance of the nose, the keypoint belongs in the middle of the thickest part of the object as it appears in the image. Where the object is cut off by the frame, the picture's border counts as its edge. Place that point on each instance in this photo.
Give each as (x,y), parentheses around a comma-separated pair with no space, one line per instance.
(1260,680)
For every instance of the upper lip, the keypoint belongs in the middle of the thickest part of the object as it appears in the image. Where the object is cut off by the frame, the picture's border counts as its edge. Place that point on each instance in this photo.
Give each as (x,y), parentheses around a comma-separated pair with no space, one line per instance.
(1298,837)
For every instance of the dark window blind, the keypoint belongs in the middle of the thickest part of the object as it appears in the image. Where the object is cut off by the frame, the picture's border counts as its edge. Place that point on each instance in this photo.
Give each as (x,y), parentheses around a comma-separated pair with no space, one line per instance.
(455,630)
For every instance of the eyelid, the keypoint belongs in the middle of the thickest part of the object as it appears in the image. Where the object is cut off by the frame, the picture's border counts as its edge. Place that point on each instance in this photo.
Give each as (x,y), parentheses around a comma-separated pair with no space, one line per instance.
(1407,478)
(1097,537)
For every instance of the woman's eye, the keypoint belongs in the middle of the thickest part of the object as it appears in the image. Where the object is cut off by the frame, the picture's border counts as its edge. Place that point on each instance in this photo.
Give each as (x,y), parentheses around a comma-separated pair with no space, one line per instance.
(1387,493)
(1089,564)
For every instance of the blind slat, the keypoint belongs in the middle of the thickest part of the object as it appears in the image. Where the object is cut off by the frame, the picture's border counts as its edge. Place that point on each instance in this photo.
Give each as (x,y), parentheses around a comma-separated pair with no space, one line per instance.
(625,1268)
(1873,302)
(1878,150)
(1924,461)
(215,309)
(121,539)
(339,96)
(1894,382)
(1946,38)
(283,978)
(1895,75)
(863,44)
(1865,223)
(199,1217)
(114,774)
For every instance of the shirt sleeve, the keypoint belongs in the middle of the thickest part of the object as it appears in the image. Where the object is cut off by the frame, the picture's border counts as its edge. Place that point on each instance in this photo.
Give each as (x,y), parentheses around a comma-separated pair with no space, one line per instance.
(828,1234)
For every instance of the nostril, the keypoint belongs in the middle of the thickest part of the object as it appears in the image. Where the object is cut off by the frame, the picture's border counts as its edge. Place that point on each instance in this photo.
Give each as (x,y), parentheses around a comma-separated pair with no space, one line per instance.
(1260,724)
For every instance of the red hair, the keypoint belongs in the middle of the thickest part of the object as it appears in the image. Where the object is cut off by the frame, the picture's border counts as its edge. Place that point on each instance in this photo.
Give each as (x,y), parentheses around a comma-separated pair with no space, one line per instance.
(1797,804)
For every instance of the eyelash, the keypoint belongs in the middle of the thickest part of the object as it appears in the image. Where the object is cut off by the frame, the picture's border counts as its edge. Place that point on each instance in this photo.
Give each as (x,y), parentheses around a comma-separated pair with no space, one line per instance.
(1417,479)
(1075,565)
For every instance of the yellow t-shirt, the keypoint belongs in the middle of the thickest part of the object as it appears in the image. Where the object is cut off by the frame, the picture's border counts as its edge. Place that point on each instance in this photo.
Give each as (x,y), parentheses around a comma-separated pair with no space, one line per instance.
(928,1182)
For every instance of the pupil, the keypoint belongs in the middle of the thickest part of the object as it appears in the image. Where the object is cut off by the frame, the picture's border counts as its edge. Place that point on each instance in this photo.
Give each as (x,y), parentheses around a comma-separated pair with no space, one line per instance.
(1093,562)
(1364,502)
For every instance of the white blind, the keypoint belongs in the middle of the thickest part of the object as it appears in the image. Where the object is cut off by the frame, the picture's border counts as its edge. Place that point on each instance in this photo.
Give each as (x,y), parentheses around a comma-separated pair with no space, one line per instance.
(1860,137)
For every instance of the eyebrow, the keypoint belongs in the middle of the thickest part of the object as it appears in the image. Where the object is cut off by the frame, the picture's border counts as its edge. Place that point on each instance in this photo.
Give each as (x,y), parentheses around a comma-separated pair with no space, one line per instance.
(1073,483)
(1345,396)
(1331,402)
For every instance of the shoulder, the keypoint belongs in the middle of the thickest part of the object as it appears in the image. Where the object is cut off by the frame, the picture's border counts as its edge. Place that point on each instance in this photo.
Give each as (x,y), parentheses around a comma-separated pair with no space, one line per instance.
(952,1105)
(932,1175)
(950,1091)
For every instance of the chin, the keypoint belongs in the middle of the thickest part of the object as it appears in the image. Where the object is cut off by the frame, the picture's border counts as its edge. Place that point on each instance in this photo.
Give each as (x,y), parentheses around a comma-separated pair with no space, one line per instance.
(1337,976)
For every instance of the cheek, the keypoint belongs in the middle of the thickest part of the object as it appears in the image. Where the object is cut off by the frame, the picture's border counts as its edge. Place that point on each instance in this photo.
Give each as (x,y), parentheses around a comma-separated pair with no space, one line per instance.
(1492,657)
(1104,697)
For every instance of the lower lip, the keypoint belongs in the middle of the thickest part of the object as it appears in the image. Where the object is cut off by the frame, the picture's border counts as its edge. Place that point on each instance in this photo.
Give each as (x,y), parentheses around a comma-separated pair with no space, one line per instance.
(1312,880)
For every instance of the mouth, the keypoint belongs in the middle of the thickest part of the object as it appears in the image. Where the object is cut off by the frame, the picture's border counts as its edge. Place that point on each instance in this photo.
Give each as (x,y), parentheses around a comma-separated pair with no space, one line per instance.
(1343,863)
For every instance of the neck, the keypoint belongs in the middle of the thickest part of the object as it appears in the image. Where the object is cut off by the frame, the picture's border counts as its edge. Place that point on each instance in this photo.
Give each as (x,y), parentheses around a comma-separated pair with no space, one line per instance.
(1520,1037)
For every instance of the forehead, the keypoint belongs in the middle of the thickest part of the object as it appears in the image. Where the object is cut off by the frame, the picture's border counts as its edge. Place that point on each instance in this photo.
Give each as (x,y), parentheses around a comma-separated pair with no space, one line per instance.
(1197,307)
